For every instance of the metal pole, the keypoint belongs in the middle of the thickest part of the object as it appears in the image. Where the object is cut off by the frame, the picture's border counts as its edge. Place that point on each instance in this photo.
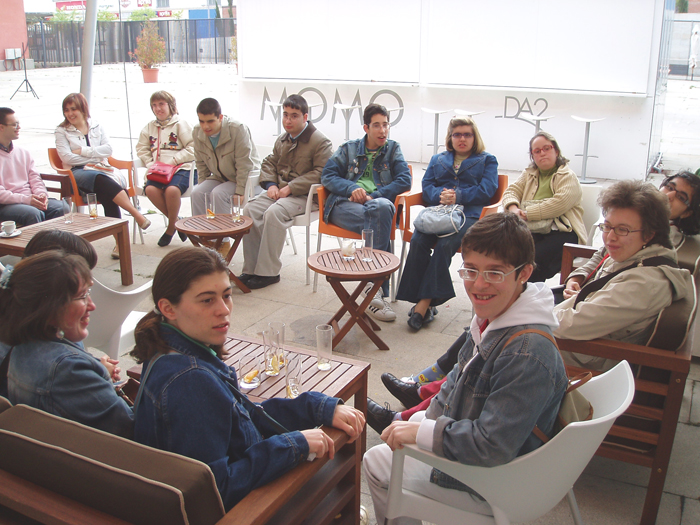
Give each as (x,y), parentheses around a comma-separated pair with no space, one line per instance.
(88,55)
(43,41)
(435,137)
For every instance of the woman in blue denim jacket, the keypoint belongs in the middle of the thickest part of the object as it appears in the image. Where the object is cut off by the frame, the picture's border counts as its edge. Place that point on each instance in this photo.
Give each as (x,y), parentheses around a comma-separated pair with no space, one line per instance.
(504,384)
(464,174)
(45,306)
(187,404)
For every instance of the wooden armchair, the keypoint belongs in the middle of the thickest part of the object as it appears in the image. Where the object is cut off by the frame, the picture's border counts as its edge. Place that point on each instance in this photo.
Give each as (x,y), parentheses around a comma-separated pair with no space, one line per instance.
(644,434)
(58,184)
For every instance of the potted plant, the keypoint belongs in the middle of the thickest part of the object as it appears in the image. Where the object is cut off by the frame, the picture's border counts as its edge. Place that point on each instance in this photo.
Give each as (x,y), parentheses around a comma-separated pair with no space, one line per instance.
(150,51)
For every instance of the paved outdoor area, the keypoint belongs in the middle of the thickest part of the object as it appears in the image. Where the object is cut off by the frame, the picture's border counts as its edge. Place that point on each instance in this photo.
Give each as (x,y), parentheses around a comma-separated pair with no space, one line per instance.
(608,492)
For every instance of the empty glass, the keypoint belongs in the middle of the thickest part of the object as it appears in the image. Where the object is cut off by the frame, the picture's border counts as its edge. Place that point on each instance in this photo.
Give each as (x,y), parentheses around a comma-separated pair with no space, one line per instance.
(293,376)
(249,369)
(367,244)
(324,346)
(271,341)
(235,208)
(68,215)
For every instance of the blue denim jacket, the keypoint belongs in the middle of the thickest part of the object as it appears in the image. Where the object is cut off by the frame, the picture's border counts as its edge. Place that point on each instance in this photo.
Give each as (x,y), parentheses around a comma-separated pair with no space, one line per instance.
(348,163)
(60,377)
(475,182)
(187,408)
(485,415)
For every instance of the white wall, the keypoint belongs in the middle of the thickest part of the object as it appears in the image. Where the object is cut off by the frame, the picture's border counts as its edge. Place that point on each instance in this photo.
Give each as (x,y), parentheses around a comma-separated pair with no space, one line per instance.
(510,60)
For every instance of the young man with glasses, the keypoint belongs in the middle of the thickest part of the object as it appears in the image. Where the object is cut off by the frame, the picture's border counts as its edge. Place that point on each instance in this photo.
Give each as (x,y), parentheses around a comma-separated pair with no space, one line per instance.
(504,384)
(364,177)
(287,174)
(23,196)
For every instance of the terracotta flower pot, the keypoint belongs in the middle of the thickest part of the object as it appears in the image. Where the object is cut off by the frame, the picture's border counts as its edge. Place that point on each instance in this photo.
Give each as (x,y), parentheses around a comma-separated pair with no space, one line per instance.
(150,76)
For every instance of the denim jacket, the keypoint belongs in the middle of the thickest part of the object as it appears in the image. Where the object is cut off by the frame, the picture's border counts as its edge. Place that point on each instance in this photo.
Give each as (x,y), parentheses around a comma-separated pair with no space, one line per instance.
(485,414)
(348,163)
(186,407)
(475,182)
(61,378)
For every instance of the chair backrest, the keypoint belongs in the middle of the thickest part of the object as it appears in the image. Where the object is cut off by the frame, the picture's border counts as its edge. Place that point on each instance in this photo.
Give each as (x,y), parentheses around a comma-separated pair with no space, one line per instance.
(673,322)
(111,309)
(589,203)
(531,485)
(57,164)
(251,185)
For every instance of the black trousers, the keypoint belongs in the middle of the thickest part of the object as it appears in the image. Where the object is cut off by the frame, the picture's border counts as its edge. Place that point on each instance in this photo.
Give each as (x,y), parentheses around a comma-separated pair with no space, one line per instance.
(548,250)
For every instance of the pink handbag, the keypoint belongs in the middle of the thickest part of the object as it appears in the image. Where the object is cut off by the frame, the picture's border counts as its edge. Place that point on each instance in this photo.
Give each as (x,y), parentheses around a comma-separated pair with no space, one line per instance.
(160,171)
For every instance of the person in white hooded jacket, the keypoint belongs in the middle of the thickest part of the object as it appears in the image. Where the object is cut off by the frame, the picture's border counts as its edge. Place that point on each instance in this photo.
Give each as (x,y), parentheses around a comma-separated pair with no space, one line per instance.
(504,384)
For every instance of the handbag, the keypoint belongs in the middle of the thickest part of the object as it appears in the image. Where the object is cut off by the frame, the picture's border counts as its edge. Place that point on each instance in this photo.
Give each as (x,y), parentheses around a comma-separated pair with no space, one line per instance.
(542,226)
(443,220)
(160,171)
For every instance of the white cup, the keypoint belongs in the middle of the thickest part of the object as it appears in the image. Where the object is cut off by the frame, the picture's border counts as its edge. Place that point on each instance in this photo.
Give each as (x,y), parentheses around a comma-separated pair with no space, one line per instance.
(8,227)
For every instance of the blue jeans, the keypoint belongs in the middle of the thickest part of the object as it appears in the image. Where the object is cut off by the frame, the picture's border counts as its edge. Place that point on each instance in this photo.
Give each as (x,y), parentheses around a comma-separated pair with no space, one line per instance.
(426,275)
(376,214)
(24,214)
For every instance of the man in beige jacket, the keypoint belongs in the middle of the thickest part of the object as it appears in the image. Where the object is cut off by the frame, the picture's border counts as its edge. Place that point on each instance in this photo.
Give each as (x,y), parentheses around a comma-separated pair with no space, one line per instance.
(296,162)
(225,155)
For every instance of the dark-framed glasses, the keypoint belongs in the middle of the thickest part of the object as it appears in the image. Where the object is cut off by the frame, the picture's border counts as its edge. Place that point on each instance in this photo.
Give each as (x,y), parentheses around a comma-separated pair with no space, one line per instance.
(622,231)
(680,195)
(490,276)
(467,135)
(543,149)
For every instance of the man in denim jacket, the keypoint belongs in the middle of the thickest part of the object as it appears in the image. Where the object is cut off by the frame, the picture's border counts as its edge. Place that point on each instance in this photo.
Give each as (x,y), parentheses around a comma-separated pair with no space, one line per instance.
(501,387)
(364,177)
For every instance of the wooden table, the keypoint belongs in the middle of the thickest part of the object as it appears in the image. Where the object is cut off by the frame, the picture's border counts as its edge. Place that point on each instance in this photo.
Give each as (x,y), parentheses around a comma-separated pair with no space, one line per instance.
(212,232)
(337,270)
(317,491)
(85,227)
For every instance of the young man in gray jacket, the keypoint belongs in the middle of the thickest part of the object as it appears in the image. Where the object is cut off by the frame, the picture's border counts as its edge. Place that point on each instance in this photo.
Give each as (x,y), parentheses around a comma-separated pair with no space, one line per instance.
(225,155)
(287,174)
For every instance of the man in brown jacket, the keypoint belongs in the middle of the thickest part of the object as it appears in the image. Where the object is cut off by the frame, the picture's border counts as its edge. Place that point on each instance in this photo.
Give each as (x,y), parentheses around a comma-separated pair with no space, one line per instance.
(296,162)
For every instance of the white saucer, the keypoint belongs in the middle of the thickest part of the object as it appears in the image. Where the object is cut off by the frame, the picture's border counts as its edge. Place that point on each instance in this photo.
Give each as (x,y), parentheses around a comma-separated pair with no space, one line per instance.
(13,234)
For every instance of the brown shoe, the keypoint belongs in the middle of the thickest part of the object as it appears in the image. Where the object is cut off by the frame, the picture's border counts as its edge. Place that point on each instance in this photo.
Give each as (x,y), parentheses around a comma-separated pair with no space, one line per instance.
(115,253)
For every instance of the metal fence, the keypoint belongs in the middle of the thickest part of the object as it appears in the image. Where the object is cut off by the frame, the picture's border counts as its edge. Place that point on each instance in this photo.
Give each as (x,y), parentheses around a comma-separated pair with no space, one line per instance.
(186,41)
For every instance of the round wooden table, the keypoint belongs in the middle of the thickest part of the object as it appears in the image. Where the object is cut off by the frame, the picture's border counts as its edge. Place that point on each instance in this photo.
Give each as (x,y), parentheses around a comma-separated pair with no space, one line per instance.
(211,233)
(337,270)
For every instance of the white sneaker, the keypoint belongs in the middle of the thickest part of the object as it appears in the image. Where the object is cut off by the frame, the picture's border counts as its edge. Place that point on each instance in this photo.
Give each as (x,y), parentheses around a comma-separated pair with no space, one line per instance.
(379,309)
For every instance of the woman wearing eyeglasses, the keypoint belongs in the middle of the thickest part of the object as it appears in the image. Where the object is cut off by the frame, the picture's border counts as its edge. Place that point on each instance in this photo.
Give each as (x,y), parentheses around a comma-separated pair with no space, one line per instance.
(636,240)
(464,174)
(45,306)
(683,192)
(547,196)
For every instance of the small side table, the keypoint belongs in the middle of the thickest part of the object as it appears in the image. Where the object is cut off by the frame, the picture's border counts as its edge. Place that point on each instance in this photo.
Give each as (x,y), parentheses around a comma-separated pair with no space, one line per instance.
(582,179)
(211,233)
(437,113)
(337,270)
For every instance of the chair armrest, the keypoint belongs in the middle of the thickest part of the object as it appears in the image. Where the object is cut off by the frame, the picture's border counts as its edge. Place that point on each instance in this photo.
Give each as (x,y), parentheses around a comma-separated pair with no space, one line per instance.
(406,201)
(569,252)
(310,198)
(63,179)
(635,354)
(490,209)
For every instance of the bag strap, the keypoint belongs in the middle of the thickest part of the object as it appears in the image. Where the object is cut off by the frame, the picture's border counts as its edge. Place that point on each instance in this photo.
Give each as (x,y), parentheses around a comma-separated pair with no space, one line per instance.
(158,146)
(144,377)
(254,407)
(5,366)
(597,284)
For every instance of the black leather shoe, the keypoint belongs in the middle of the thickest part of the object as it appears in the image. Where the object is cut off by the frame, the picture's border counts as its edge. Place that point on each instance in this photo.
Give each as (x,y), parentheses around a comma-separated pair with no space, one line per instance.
(183,237)
(165,239)
(245,277)
(257,281)
(379,417)
(406,393)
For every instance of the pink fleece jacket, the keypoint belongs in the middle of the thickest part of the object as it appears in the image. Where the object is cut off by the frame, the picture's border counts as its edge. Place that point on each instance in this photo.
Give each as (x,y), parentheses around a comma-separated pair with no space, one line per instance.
(18,178)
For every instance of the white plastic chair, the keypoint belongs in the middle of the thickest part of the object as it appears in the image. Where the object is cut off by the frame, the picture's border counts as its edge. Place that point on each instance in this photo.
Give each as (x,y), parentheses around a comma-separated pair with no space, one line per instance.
(531,485)
(138,163)
(112,323)
(310,215)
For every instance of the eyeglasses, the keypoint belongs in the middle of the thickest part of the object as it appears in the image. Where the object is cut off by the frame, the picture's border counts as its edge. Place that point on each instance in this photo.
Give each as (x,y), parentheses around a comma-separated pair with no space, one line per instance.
(15,125)
(543,149)
(680,195)
(490,276)
(622,231)
(83,297)
(467,135)
(380,125)
(292,116)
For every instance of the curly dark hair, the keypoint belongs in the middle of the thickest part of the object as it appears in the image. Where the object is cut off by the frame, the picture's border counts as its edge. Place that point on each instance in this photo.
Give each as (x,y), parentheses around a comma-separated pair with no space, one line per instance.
(642,197)
(688,225)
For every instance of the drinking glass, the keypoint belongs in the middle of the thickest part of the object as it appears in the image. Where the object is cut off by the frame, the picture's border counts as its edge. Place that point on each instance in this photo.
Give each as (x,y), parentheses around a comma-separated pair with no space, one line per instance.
(68,216)
(92,205)
(279,327)
(271,341)
(209,205)
(293,376)
(235,208)
(347,249)
(249,370)
(324,346)
(368,244)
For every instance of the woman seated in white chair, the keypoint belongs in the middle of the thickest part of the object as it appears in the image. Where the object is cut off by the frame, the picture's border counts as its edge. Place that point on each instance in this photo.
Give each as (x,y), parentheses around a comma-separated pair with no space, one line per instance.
(520,377)
(167,139)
